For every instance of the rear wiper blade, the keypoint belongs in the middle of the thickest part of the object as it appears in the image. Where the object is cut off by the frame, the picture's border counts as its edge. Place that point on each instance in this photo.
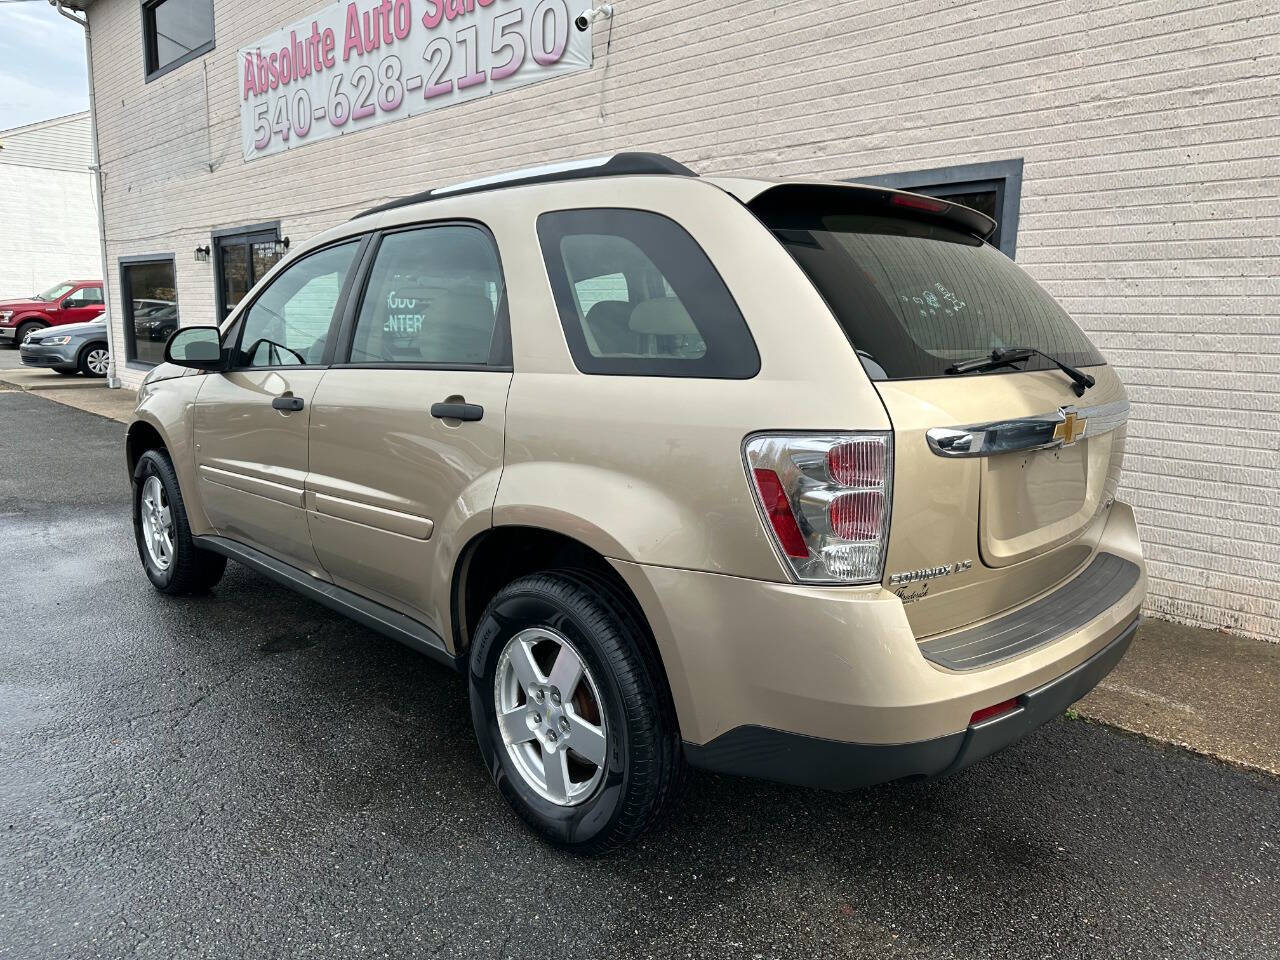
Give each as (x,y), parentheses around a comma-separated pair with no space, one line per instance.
(1007,356)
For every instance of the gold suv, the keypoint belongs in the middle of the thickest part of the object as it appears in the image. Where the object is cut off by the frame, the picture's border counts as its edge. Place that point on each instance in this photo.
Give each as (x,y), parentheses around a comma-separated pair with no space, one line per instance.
(789,479)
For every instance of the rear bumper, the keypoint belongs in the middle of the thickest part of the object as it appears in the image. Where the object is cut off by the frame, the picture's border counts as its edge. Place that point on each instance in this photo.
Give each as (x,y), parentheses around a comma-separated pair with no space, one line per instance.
(829,684)
(838,765)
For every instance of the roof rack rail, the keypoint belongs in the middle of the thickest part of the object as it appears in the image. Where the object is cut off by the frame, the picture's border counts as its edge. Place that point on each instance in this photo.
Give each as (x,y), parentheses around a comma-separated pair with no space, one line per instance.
(615,165)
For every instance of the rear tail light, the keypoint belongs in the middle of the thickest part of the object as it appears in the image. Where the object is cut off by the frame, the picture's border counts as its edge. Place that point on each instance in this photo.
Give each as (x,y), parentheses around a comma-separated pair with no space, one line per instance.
(825,500)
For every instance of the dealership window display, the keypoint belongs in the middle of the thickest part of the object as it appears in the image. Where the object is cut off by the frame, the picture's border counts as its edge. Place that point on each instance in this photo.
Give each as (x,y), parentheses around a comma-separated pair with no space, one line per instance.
(150,298)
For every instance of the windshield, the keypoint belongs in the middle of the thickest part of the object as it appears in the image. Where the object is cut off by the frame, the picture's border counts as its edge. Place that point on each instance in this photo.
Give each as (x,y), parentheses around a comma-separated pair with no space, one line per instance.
(915,297)
(55,292)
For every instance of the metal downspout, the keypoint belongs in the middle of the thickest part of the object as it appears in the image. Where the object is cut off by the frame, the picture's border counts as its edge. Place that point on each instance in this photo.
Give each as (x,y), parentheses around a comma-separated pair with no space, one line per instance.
(113,380)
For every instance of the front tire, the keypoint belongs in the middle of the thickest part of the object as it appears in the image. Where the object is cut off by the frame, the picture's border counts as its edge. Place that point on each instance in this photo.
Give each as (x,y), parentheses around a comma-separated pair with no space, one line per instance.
(25,330)
(94,360)
(587,750)
(174,564)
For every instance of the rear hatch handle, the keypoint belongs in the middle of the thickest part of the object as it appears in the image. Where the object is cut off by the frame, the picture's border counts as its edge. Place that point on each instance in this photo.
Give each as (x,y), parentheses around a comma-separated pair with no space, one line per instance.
(1061,428)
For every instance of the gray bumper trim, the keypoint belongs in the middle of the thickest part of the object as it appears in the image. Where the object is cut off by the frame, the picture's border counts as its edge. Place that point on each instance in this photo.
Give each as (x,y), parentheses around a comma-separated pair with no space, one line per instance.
(1070,607)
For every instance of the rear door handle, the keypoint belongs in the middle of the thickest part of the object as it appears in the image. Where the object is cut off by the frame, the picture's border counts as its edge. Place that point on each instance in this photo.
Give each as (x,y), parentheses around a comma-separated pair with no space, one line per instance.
(457,411)
(287,403)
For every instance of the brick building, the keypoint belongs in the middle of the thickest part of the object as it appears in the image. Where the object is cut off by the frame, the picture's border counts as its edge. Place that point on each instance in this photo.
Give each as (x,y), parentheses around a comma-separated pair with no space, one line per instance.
(1131,152)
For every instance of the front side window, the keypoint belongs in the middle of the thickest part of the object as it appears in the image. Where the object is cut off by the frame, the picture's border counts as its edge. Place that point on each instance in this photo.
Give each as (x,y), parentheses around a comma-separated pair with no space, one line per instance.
(149,291)
(84,297)
(176,31)
(433,297)
(637,295)
(289,323)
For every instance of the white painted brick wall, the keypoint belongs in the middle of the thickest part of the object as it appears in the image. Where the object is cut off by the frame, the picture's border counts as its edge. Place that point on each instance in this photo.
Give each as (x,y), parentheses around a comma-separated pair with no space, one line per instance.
(1150,131)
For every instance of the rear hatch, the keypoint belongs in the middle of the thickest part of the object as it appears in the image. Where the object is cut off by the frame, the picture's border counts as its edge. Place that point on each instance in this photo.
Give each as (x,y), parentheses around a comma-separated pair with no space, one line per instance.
(1002,474)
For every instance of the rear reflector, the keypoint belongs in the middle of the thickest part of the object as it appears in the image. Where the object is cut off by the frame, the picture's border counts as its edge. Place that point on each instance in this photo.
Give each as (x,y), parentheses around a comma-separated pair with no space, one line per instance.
(778,509)
(917,202)
(986,713)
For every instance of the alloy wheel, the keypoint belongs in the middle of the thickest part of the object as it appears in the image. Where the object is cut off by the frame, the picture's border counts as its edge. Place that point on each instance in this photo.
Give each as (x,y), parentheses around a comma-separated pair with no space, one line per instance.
(97,360)
(157,523)
(551,716)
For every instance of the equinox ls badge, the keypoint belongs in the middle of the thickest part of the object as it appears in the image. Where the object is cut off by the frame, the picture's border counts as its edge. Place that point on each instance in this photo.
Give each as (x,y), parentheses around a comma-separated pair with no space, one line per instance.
(928,573)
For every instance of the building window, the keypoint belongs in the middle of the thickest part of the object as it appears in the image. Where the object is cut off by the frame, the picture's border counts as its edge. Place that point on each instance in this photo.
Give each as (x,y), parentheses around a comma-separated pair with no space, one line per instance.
(992,188)
(149,294)
(175,31)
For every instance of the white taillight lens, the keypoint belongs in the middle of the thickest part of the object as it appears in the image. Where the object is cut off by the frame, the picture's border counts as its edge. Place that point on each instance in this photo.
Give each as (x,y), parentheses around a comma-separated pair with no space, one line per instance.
(825,501)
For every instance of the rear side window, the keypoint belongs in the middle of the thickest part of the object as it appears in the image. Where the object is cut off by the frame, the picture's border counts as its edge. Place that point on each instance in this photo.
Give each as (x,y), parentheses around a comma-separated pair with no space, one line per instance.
(914,296)
(637,295)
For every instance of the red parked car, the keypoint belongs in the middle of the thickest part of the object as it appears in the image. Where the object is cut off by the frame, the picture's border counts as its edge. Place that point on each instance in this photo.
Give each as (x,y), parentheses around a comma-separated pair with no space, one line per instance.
(72,301)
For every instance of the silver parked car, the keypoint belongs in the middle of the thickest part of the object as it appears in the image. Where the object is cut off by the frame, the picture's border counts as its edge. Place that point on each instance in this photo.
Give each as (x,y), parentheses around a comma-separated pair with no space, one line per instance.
(70,348)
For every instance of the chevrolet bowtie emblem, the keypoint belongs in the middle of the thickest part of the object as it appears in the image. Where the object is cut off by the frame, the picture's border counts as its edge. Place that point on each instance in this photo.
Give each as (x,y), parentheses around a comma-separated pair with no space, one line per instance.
(1070,429)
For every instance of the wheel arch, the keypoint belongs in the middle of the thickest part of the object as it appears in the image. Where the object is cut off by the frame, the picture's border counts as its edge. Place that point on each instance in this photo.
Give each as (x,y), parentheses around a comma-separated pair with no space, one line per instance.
(497,555)
(141,437)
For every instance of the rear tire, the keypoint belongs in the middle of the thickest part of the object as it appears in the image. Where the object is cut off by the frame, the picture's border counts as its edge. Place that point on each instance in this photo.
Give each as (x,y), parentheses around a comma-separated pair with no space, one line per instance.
(174,564)
(94,359)
(621,694)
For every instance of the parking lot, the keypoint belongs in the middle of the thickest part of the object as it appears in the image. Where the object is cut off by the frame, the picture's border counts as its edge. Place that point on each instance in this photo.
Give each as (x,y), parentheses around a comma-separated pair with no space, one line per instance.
(246,774)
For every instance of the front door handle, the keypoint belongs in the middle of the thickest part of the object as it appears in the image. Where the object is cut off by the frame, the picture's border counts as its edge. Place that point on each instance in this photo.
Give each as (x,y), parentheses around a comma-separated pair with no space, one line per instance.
(457,411)
(287,403)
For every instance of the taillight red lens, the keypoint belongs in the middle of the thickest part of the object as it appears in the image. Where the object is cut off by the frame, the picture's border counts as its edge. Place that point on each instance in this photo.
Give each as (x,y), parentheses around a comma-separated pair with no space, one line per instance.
(857,463)
(774,499)
(917,202)
(856,516)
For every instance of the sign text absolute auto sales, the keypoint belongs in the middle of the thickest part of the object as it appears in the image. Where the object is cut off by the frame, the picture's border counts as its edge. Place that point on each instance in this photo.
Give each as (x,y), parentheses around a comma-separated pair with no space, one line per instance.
(357,64)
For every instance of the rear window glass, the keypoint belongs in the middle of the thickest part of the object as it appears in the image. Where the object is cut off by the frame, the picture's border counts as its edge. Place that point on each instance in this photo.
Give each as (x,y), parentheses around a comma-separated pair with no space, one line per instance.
(915,297)
(637,295)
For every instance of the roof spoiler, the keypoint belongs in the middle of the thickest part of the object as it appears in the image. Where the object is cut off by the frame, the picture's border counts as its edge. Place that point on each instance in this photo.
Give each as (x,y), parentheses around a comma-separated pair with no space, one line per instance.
(616,165)
(783,196)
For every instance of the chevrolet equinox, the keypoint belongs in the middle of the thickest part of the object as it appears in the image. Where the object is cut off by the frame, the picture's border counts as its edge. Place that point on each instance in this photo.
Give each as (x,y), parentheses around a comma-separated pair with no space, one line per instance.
(787,479)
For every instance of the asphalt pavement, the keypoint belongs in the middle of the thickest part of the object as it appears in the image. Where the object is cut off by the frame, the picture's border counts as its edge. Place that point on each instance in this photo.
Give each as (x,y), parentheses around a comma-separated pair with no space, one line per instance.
(245,774)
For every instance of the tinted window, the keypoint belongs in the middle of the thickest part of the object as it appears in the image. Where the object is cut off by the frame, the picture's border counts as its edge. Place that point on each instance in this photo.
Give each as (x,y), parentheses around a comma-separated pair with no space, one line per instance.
(176,30)
(150,296)
(433,297)
(288,324)
(915,297)
(84,297)
(636,295)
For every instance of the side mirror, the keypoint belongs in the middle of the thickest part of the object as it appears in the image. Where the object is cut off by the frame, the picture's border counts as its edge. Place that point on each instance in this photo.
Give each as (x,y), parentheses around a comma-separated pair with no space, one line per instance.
(199,348)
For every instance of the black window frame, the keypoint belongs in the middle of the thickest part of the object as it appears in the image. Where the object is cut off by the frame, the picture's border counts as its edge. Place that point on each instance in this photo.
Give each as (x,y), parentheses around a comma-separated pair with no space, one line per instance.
(1002,176)
(248,234)
(236,329)
(150,54)
(500,353)
(126,303)
(715,364)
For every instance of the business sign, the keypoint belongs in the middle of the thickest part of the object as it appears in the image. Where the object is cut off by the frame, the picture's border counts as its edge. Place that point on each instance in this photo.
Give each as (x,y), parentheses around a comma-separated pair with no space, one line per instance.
(358,64)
